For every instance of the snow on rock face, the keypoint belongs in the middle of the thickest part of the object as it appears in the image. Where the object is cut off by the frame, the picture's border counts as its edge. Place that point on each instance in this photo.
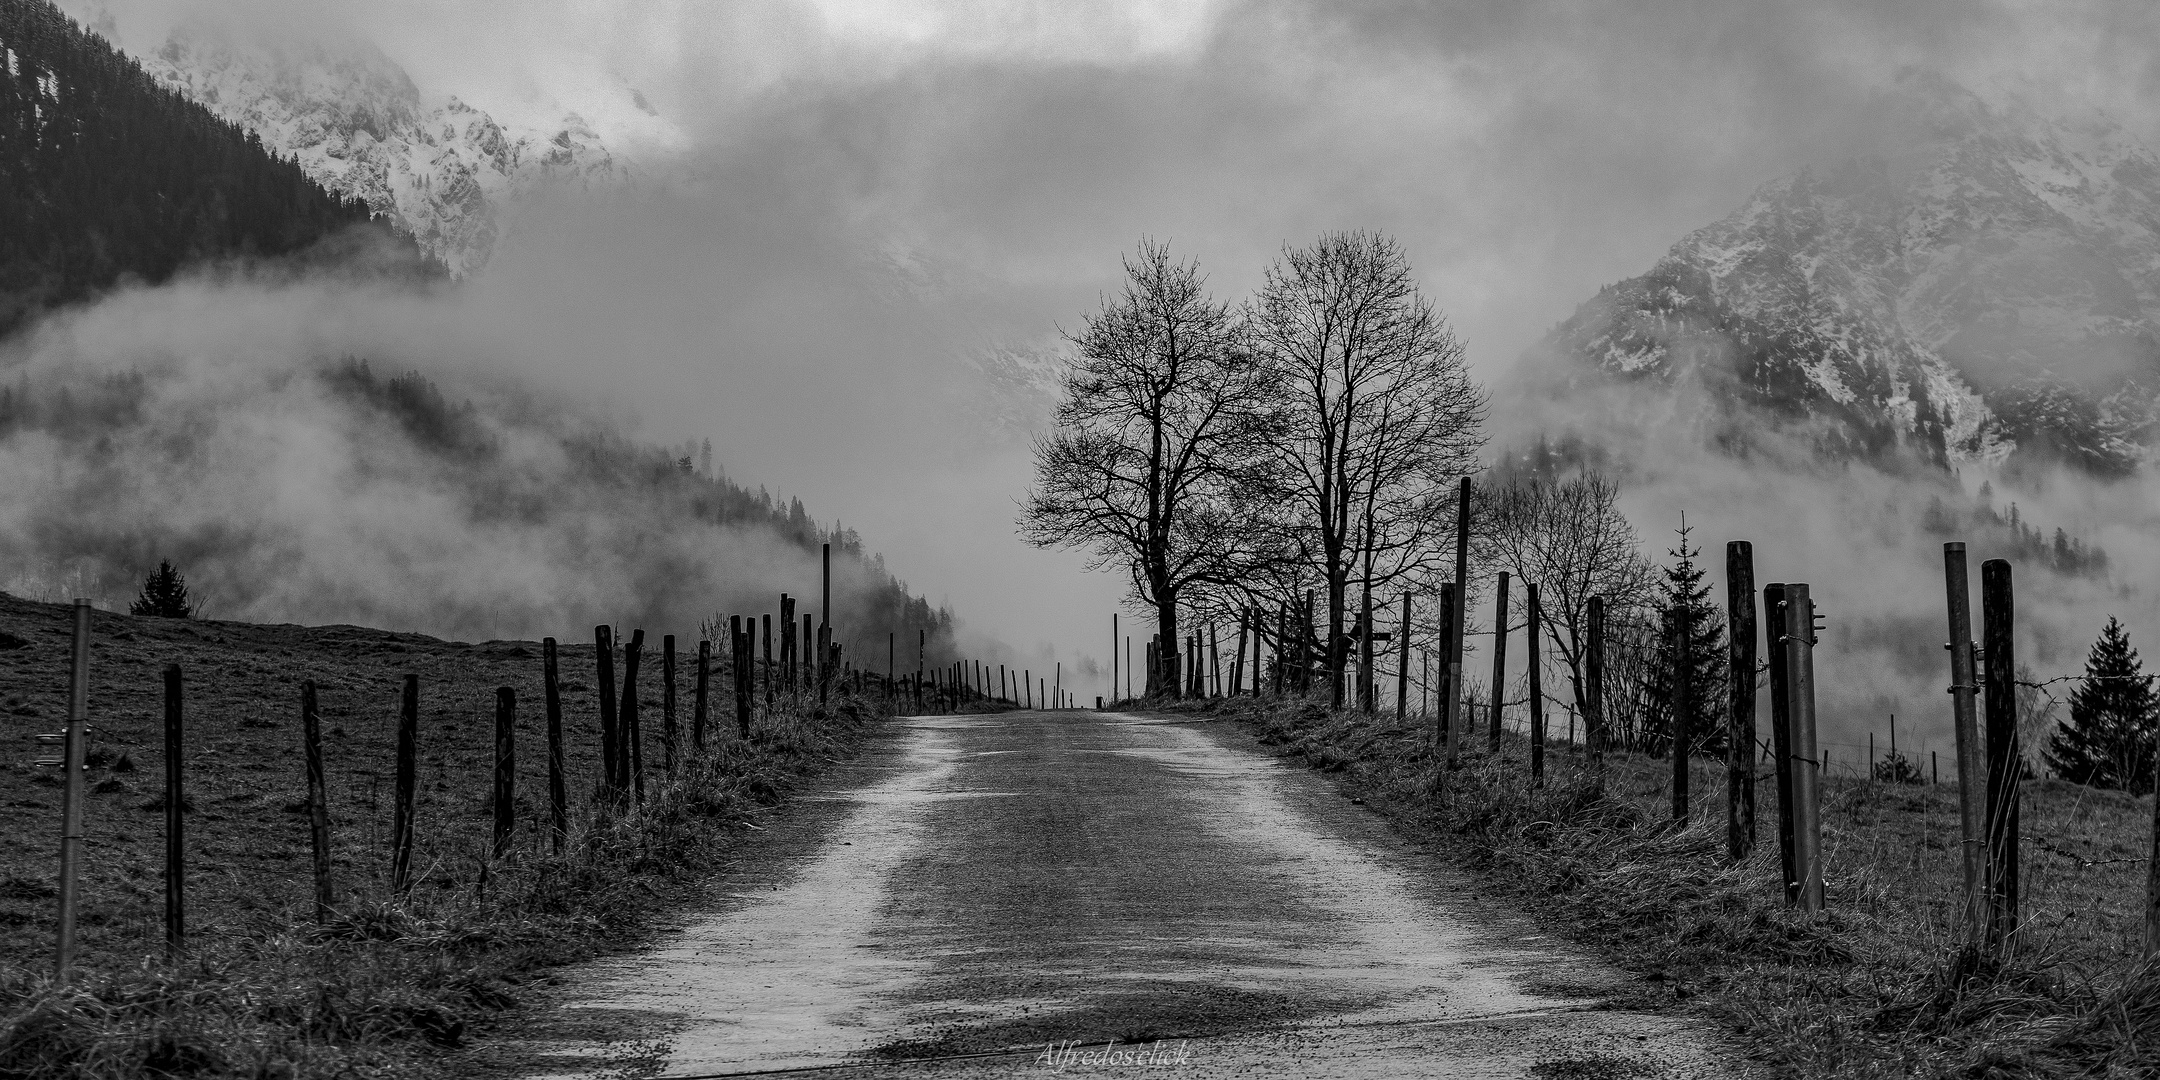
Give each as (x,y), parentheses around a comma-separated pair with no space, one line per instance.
(1993,286)
(441,169)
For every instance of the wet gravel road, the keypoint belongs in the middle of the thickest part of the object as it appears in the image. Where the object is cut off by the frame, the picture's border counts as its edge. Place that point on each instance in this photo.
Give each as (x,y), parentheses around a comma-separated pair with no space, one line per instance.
(981,890)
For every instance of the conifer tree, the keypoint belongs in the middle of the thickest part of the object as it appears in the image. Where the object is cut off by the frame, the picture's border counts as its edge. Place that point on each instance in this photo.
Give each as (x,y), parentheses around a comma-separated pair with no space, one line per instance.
(2109,740)
(164,594)
(1693,635)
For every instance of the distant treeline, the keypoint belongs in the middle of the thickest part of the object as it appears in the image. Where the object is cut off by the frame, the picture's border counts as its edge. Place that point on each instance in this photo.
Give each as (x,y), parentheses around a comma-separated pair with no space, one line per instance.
(107,176)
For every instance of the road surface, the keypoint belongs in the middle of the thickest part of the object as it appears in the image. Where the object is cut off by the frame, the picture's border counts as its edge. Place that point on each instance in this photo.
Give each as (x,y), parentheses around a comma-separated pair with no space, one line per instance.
(1012,894)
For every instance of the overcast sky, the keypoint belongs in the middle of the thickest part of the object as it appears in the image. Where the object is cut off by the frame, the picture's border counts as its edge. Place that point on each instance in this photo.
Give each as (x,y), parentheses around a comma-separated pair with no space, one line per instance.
(1524,152)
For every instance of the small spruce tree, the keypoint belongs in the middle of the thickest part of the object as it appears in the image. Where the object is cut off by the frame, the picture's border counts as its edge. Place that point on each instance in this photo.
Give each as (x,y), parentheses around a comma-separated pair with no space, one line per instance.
(164,594)
(1693,635)
(2109,740)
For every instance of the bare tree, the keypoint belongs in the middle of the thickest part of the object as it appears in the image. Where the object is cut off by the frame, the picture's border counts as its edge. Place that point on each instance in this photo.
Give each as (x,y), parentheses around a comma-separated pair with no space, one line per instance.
(1569,536)
(1371,412)
(1139,468)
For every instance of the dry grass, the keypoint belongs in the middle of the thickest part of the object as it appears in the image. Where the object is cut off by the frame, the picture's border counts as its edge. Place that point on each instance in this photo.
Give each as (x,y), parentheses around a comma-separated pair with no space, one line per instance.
(262,991)
(1877,986)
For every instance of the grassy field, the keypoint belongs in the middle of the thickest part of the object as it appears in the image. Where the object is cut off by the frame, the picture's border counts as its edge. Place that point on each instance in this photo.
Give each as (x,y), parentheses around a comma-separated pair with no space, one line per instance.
(262,991)
(1874,987)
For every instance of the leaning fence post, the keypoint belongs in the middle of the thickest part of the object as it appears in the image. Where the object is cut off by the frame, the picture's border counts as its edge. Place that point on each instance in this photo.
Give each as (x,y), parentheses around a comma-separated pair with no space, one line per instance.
(505,768)
(408,765)
(175,803)
(1971,748)
(558,795)
(610,737)
(318,801)
(2005,764)
(1807,771)
(1740,700)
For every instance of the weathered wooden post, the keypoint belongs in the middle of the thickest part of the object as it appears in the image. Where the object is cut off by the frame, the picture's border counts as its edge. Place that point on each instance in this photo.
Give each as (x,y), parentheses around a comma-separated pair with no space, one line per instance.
(175,804)
(1443,717)
(1499,663)
(1534,663)
(610,728)
(746,658)
(1594,690)
(408,776)
(667,703)
(787,642)
(809,664)
(558,784)
(1781,747)
(318,802)
(1459,620)
(1402,666)
(2005,761)
(505,768)
(632,758)
(1683,703)
(1740,700)
(74,750)
(1057,685)
(1807,771)
(1971,748)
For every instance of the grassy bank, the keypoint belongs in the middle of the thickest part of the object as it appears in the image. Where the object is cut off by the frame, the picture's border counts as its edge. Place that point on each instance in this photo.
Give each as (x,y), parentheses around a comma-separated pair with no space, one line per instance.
(1874,987)
(391,983)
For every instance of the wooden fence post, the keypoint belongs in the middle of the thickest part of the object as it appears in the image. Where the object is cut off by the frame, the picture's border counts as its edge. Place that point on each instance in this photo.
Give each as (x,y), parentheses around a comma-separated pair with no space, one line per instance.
(1971,749)
(699,702)
(1499,663)
(558,789)
(610,733)
(1458,622)
(175,805)
(1594,691)
(1740,701)
(667,702)
(1533,662)
(75,749)
(505,768)
(2005,762)
(633,756)
(1402,666)
(1781,747)
(766,672)
(408,768)
(787,642)
(1807,770)
(1443,717)
(745,658)
(318,801)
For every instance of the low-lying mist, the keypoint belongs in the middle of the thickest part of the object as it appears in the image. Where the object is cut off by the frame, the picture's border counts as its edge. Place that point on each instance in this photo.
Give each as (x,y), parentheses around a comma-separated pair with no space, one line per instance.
(245,431)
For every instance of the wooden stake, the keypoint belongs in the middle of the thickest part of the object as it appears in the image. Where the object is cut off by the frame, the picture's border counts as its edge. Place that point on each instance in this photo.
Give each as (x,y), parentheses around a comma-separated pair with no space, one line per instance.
(2005,762)
(558,783)
(1452,704)
(505,768)
(765,674)
(1594,692)
(1971,749)
(610,724)
(1740,700)
(408,770)
(1402,667)
(1499,663)
(633,756)
(1781,746)
(1807,774)
(1444,714)
(175,805)
(1534,663)
(318,802)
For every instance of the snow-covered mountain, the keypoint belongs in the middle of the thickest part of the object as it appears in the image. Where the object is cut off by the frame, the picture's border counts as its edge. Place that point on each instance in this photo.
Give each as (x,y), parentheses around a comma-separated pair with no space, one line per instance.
(1991,287)
(440,167)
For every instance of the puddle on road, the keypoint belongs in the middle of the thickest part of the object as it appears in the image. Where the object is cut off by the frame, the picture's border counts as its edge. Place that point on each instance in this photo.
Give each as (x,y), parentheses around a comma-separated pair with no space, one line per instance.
(784,981)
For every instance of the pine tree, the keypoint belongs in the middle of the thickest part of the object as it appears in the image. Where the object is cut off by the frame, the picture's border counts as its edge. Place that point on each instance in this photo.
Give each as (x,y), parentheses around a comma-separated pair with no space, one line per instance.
(2109,741)
(1692,635)
(164,594)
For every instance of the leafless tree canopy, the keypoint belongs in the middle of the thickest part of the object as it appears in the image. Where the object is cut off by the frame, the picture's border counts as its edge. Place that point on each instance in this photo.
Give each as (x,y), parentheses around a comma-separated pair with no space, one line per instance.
(1568,535)
(1370,415)
(1155,419)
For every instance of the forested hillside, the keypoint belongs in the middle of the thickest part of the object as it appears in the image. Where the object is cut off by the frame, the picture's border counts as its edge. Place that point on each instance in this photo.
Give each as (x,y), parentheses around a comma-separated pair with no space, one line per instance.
(104,175)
